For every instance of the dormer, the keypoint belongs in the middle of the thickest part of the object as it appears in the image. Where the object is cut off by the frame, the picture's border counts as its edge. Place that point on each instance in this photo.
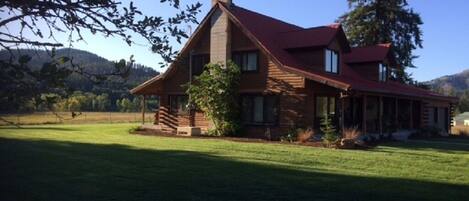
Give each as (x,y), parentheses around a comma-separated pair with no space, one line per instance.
(319,48)
(375,62)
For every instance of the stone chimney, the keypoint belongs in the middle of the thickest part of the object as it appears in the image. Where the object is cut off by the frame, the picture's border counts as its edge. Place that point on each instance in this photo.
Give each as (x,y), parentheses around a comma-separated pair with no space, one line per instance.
(220,35)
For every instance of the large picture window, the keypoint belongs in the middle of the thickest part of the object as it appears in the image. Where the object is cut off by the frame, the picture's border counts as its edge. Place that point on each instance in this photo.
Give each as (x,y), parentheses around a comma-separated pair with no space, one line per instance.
(198,63)
(178,104)
(247,61)
(325,107)
(383,72)
(331,61)
(256,109)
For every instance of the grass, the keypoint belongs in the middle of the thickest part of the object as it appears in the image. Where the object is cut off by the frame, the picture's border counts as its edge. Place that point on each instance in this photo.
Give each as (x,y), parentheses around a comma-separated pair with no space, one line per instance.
(104,162)
(85,117)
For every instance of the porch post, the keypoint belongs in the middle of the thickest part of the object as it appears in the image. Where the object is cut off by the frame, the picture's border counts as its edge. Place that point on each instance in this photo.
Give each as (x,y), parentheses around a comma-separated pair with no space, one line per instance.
(380,115)
(364,114)
(143,109)
(342,105)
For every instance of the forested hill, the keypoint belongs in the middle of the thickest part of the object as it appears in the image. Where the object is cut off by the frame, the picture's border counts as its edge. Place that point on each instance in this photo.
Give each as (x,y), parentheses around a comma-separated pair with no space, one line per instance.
(457,82)
(454,85)
(91,63)
(115,90)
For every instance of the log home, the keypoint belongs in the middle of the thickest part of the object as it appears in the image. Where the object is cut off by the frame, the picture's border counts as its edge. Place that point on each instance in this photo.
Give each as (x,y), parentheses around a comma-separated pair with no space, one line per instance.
(295,76)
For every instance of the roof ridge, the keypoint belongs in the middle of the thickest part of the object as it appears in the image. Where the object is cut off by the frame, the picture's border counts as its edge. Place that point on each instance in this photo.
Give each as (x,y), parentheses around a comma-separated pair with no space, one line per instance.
(387,45)
(263,15)
(311,28)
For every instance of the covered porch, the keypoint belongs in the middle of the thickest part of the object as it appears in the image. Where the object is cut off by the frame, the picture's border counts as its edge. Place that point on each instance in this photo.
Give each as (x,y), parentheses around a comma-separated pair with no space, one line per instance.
(383,115)
(379,114)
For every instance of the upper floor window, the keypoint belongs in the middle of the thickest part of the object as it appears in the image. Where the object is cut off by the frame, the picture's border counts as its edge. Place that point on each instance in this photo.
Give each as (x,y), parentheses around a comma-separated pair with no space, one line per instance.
(199,62)
(247,61)
(178,104)
(383,72)
(332,61)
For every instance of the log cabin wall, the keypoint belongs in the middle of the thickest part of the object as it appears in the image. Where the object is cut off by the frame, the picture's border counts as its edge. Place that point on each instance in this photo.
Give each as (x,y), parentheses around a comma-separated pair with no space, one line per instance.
(444,114)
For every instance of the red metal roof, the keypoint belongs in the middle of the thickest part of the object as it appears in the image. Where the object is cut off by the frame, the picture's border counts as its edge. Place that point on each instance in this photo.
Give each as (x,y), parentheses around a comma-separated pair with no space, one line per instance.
(276,36)
(368,54)
(323,35)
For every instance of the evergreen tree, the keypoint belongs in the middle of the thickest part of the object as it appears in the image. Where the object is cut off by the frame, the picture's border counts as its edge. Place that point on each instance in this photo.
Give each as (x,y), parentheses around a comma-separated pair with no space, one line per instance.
(330,133)
(370,22)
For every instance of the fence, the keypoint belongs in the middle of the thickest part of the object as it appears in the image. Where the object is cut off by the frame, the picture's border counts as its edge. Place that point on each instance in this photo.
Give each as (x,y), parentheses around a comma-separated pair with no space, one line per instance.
(84,117)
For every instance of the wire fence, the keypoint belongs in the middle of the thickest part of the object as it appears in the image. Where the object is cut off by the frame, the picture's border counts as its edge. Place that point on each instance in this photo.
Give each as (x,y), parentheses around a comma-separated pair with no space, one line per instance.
(80,118)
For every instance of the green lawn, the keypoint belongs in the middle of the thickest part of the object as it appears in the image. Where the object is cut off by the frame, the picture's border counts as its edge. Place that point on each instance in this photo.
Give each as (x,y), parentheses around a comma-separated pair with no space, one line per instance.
(104,162)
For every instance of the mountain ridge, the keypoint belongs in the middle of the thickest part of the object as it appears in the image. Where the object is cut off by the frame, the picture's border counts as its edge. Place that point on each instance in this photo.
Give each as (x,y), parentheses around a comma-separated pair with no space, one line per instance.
(450,83)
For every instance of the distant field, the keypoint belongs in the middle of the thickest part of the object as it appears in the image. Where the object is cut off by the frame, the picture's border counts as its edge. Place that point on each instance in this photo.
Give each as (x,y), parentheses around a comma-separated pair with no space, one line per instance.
(85,117)
(460,130)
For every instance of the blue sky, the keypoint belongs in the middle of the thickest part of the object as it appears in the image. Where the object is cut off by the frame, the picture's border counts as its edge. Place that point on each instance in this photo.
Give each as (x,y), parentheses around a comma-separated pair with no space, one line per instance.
(445,31)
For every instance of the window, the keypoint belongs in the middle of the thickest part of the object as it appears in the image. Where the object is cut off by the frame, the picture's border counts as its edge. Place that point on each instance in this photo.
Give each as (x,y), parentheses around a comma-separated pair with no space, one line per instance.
(247,61)
(198,63)
(259,109)
(435,115)
(383,72)
(331,61)
(325,106)
(178,104)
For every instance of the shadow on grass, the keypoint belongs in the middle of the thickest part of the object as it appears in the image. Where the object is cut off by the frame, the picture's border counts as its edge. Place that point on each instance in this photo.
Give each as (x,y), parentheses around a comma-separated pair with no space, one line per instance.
(54,170)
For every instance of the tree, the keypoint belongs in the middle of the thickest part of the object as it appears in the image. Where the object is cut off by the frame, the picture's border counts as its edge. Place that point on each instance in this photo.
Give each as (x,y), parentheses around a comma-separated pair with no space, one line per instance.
(43,19)
(102,102)
(330,133)
(215,92)
(370,22)
(125,105)
(464,102)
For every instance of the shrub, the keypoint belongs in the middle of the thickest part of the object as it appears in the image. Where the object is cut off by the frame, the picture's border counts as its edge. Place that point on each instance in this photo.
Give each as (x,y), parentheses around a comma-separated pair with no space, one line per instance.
(135,129)
(291,135)
(215,92)
(330,133)
(350,138)
(304,134)
(429,131)
(351,133)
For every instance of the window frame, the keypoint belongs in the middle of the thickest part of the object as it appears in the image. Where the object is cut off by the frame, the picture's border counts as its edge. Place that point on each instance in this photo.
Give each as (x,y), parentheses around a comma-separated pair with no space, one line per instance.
(334,116)
(328,69)
(247,52)
(383,72)
(328,102)
(178,97)
(275,121)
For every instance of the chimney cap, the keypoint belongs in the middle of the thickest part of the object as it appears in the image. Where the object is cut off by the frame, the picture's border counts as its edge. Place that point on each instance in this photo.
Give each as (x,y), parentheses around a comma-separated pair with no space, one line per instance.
(228,2)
